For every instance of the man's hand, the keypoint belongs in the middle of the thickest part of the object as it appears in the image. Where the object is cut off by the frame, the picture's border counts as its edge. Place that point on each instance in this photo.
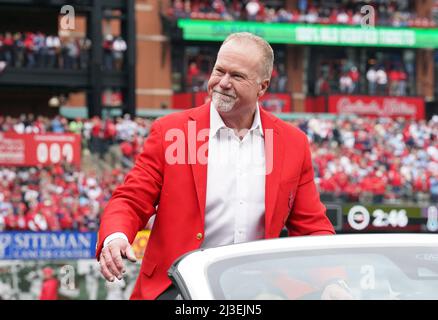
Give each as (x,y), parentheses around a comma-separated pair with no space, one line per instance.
(111,263)
(337,291)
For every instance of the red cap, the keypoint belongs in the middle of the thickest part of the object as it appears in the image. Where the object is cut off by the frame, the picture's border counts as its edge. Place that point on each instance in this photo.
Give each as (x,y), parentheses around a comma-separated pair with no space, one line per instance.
(47,271)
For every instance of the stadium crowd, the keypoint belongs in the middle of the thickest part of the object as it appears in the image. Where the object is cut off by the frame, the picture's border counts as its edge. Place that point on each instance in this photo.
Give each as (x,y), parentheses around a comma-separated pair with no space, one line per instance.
(54,198)
(40,50)
(375,159)
(382,79)
(63,197)
(396,13)
(356,159)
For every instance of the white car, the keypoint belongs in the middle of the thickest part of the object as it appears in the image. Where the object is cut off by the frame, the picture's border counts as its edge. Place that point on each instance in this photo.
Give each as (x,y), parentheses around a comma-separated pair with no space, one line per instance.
(367,266)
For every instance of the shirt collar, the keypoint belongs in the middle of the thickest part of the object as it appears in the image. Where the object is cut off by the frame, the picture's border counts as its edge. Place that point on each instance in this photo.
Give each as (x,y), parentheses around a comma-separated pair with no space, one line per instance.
(216,122)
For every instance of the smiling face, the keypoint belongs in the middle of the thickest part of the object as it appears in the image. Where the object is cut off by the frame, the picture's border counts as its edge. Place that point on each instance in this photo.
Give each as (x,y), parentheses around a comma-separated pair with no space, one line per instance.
(237,82)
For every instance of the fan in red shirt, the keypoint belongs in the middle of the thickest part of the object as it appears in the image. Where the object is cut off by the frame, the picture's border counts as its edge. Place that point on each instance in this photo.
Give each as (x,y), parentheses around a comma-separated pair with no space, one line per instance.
(21,224)
(353,192)
(379,186)
(96,130)
(354,75)
(52,221)
(65,218)
(127,152)
(193,74)
(219,7)
(333,18)
(367,184)
(328,184)
(341,179)
(10,221)
(422,183)
(394,78)
(49,290)
(109,131)
(395,180)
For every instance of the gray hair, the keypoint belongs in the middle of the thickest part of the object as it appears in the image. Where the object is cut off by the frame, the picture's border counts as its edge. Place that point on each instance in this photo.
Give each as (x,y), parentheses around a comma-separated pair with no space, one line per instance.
(266,50)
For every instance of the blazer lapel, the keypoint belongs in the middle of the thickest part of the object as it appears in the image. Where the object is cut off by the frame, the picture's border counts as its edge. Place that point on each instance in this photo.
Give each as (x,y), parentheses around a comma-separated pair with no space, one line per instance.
(197,129)
(274,154)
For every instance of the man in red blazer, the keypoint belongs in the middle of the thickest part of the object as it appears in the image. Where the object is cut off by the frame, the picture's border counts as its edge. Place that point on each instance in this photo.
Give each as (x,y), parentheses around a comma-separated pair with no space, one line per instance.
(200,201)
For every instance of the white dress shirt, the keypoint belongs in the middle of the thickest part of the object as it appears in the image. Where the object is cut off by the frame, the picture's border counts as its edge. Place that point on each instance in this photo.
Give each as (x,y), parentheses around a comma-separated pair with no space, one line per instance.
(235,201)
(235,195)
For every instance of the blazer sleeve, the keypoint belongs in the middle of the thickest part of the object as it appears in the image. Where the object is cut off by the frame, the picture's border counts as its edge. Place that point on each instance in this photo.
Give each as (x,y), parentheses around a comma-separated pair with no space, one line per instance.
(308,214)
(133,202)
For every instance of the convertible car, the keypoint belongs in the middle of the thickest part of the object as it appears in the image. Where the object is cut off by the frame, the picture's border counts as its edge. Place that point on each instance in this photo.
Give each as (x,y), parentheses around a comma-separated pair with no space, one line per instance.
(367,266)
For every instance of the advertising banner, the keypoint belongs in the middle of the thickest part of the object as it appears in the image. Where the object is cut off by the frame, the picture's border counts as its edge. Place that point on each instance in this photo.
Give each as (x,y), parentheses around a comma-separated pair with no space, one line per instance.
(47,245)
(314,34)
(374,106)
(39,149)
(361,218)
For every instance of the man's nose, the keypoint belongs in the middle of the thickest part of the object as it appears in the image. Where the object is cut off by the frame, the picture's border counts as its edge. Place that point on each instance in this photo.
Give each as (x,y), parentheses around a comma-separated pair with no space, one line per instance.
(225,81)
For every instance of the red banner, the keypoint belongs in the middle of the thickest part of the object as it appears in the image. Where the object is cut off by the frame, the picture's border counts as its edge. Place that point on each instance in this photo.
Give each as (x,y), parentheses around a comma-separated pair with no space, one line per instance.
(316,104)
(39,149)
(406,107)
(275,102)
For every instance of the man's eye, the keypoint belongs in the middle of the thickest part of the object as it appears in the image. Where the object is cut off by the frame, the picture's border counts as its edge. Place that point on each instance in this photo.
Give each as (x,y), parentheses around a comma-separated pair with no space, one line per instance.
(219,71)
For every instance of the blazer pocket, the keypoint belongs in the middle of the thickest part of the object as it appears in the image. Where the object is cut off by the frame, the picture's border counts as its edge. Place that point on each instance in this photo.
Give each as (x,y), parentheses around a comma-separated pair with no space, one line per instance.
(148,268)
(286,192)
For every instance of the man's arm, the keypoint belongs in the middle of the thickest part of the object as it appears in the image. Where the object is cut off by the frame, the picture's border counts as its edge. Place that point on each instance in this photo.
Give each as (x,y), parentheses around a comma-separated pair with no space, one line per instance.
(308,214)
(132,204)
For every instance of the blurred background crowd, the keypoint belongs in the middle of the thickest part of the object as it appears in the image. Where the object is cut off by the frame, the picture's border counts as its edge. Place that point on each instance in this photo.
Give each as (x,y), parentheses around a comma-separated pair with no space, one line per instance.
(65,197)
(389,13)
(40,50)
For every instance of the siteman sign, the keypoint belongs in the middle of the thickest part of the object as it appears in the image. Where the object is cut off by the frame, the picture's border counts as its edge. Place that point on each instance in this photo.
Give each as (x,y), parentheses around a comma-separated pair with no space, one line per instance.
(310,34)
(47,245)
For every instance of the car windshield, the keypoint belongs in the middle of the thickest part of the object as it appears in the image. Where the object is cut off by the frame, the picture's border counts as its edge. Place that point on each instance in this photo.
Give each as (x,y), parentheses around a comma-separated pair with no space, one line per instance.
(368,273)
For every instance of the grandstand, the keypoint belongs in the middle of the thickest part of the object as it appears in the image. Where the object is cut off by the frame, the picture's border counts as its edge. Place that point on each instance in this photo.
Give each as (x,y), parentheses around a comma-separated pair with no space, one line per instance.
(368,103)
(60,55)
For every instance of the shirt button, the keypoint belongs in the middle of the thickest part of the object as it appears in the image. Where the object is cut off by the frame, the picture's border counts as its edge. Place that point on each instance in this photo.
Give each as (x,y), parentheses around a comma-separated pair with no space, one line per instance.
(199,236)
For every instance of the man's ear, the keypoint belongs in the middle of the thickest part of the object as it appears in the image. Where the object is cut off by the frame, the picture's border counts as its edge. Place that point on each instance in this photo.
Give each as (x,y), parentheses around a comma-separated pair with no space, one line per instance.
(264,85)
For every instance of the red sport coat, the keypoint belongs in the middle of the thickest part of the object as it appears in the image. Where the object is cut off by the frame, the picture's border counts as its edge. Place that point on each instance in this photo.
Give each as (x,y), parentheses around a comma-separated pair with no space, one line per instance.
(176,193)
